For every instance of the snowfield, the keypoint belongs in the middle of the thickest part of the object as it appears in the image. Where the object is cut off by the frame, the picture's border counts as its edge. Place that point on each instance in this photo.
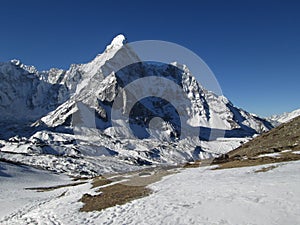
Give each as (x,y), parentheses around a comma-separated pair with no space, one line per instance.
(193,196)
(13,181)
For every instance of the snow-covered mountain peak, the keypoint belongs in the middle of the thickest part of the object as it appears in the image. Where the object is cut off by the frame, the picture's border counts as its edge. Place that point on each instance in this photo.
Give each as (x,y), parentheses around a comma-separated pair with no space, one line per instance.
(117,42)
(284,118)
(18,63)
(116,56)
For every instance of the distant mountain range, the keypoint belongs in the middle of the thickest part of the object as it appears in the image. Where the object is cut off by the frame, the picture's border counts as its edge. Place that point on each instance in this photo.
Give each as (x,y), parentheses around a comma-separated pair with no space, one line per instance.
(61,120)
(283,118)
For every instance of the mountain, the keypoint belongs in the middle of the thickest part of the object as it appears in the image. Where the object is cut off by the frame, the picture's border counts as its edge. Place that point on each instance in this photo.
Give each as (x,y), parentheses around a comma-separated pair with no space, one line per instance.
(115,113)
(283,118)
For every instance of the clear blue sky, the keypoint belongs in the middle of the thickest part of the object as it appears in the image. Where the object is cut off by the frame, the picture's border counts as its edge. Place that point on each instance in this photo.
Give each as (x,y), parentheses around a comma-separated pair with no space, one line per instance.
(253,47)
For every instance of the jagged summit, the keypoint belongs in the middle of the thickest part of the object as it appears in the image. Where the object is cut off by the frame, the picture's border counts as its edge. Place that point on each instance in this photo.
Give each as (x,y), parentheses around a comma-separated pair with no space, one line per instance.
(117,42)
(30,69)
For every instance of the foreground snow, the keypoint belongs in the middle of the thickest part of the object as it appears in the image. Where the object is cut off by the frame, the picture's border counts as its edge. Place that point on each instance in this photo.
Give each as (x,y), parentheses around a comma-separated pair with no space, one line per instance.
(193,196)
(13,181)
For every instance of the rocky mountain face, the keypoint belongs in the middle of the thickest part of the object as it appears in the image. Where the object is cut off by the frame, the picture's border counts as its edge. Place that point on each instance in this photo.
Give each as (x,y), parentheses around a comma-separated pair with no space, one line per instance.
(113,112)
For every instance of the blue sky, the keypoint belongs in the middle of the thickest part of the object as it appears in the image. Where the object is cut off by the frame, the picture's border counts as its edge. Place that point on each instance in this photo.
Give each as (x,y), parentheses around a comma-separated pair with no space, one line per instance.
(253,47)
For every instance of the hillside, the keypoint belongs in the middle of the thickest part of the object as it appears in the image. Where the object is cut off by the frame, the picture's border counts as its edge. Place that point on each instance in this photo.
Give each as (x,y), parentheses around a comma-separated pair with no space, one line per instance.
(284,137)
(281,144)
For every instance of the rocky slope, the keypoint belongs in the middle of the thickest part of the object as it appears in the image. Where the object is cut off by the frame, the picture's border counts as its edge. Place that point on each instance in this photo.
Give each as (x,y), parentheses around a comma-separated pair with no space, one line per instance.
(284,137)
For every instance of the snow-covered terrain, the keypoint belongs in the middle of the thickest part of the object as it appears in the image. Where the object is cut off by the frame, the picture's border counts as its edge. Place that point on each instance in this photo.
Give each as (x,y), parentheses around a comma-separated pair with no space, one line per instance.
(15,178)
(284,118)
(193,196)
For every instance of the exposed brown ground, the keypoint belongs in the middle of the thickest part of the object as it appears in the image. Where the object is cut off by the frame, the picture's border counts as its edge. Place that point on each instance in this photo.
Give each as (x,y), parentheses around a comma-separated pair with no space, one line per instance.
(117,194)
(285,136)
(265,169)
(255,161)
(129,188)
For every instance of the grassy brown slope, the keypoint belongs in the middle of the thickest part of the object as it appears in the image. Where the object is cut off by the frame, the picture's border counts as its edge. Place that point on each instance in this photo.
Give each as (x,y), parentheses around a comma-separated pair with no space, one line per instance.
(129,189)
(285,136)
(254,161)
